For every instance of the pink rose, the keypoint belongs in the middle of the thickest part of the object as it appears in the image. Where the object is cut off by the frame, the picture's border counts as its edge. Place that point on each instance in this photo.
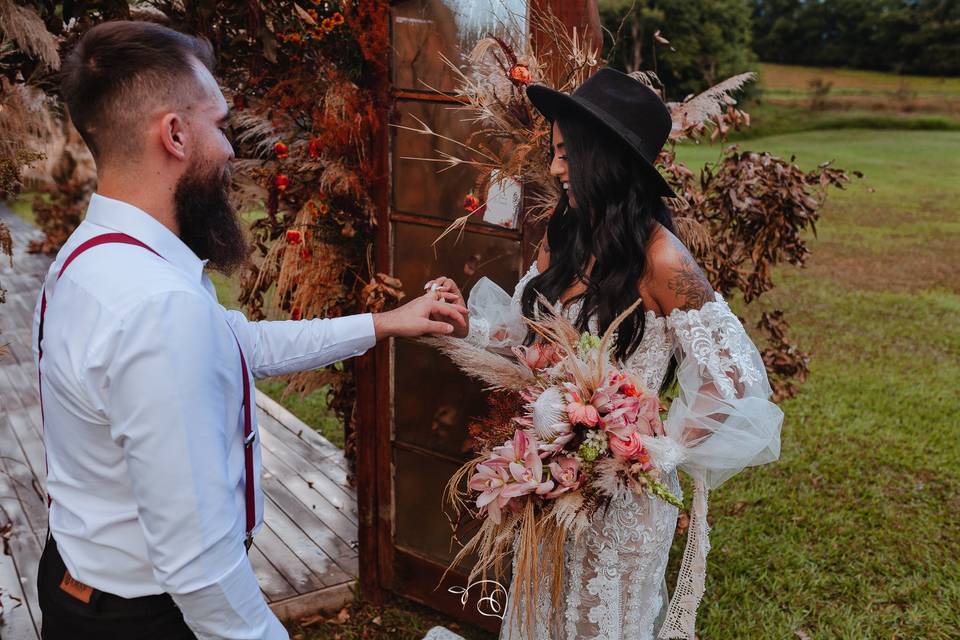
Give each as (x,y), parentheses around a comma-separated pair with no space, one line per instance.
(630,448)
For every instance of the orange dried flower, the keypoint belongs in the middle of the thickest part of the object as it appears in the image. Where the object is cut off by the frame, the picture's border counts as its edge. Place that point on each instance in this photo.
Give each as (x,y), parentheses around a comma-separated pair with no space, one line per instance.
(294,38)
(281,182)
(471,203)
(296,313)
(281,150)
(323,208)
(520,73)
(294,236)
(337,18)
(327,24)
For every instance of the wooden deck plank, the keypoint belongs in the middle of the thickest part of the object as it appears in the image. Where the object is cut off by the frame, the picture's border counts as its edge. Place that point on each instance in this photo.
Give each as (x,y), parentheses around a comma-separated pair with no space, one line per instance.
(24,547)
(274,586)
(317,461)
(340,498)
(291,567)
(17,624)
(303,546)
(321,447)
(25,485)
(310,523)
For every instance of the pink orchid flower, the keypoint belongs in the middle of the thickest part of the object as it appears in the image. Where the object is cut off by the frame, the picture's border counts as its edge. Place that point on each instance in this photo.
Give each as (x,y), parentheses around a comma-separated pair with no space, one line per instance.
(527,474)
(490,481)
(566,472)
(537,356)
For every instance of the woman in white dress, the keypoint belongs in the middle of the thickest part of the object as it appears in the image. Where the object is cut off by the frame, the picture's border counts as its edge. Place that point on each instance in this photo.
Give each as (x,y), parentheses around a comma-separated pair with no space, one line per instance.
(611,239)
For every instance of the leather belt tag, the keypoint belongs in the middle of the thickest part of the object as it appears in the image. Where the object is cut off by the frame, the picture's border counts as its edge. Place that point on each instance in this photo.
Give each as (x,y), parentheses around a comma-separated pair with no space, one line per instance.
(76,588)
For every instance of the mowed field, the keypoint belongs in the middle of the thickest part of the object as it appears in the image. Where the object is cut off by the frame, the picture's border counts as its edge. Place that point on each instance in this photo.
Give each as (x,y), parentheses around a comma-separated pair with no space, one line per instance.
(854,89)
(854,533)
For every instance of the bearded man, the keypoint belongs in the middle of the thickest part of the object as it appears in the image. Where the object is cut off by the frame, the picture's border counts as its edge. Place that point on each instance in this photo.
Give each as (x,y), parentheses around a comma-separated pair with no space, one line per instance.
(146,380)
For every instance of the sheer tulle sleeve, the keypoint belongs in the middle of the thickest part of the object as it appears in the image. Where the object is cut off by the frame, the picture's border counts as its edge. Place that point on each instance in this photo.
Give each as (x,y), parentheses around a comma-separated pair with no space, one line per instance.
(721,421)
(722,417)
(496,321)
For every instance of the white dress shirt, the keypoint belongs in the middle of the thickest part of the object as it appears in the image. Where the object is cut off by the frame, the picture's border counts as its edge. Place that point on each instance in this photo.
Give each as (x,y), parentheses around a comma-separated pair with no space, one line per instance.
(143,424)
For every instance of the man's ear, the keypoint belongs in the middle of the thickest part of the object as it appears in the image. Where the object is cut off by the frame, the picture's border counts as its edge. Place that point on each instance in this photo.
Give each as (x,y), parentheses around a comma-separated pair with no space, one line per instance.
(173,135)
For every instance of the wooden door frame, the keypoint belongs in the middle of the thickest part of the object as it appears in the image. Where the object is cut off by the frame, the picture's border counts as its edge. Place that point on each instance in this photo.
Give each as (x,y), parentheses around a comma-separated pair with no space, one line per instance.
(378,557)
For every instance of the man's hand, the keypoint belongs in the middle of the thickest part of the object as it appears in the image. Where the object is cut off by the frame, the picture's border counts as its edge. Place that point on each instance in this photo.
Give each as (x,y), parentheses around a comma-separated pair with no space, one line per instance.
(434,312)
(446,286)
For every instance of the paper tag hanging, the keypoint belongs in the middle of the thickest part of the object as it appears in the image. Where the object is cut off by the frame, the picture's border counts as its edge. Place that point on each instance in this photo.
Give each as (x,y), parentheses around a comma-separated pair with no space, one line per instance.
(503,201)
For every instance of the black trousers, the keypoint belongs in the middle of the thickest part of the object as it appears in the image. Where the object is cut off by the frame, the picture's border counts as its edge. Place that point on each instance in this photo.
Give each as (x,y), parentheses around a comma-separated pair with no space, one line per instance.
(105,616)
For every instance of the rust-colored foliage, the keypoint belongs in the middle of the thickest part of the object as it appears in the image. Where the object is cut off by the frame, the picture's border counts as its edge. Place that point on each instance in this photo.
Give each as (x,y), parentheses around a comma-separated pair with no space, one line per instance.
(497,425)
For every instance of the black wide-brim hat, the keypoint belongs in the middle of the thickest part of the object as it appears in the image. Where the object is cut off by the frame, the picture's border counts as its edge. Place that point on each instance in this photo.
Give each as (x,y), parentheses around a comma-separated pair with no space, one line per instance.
(621,104)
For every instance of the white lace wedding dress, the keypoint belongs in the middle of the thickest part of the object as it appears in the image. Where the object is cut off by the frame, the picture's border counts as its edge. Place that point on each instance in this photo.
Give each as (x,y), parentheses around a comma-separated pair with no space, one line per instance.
(721,421)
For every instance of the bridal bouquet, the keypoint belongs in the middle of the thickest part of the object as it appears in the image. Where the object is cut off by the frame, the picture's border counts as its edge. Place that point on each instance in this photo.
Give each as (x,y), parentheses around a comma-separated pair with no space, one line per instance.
(575,441)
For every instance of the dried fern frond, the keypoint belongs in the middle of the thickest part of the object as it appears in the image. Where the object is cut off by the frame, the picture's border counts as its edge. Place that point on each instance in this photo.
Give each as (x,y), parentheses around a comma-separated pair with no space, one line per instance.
(706,105)
(24,27)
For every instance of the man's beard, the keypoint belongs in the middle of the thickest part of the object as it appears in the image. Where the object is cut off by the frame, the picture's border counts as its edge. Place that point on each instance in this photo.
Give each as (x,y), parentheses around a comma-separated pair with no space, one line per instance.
(208,223)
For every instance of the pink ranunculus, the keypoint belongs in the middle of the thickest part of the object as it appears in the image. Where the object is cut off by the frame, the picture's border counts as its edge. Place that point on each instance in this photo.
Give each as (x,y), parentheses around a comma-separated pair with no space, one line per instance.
(566,474)
(490,481)
(629,448)
(537,356)
(580,412)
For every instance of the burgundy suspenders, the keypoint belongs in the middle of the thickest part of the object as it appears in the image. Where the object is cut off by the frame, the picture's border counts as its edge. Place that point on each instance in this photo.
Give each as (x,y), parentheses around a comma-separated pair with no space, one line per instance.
(248,434)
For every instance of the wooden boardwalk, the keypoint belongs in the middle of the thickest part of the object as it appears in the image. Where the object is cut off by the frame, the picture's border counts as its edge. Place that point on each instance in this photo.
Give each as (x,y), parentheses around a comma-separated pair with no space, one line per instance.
(305,556)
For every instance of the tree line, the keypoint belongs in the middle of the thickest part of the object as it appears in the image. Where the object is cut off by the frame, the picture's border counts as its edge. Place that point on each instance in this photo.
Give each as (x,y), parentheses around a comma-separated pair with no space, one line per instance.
(693,44)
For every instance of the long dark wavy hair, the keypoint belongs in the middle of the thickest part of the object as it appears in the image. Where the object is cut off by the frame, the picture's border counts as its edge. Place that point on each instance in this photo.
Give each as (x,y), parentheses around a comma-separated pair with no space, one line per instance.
(617,208)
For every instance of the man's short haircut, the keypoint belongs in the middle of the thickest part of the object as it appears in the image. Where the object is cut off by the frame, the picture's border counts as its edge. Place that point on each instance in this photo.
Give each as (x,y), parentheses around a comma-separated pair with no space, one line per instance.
(122,71)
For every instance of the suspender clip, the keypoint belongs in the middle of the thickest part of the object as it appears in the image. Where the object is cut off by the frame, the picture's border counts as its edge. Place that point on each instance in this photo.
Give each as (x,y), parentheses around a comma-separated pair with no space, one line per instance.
(247,441)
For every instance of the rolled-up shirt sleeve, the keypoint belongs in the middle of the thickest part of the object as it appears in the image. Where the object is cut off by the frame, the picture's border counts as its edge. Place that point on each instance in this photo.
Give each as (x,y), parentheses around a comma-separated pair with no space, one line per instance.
(173,417)
(278,347)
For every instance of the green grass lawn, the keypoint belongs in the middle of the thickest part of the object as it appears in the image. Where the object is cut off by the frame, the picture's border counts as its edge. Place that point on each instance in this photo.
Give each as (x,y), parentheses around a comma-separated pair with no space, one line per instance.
(852,533)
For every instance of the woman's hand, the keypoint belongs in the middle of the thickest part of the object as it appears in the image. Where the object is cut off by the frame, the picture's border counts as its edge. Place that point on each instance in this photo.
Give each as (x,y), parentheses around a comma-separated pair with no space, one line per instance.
(444,286)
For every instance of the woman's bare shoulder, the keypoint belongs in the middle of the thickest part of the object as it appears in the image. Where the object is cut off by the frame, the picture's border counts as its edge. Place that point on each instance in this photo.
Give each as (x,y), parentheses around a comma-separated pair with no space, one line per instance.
(673,278)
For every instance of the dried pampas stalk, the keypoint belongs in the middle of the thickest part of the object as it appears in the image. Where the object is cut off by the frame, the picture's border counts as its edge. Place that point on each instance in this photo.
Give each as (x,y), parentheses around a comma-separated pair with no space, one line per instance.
(495,370)
(26,29)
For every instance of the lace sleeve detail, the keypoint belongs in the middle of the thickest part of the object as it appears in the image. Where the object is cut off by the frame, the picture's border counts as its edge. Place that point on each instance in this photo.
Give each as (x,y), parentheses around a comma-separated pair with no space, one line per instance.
(716,339)
(496,321)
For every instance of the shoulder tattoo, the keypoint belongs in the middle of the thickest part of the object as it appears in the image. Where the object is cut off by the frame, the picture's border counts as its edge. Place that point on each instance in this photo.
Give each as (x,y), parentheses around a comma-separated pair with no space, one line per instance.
(689,284)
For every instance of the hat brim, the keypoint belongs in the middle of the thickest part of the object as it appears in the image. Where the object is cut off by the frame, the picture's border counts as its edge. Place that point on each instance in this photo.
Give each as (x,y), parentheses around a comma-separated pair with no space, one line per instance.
(553,104)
